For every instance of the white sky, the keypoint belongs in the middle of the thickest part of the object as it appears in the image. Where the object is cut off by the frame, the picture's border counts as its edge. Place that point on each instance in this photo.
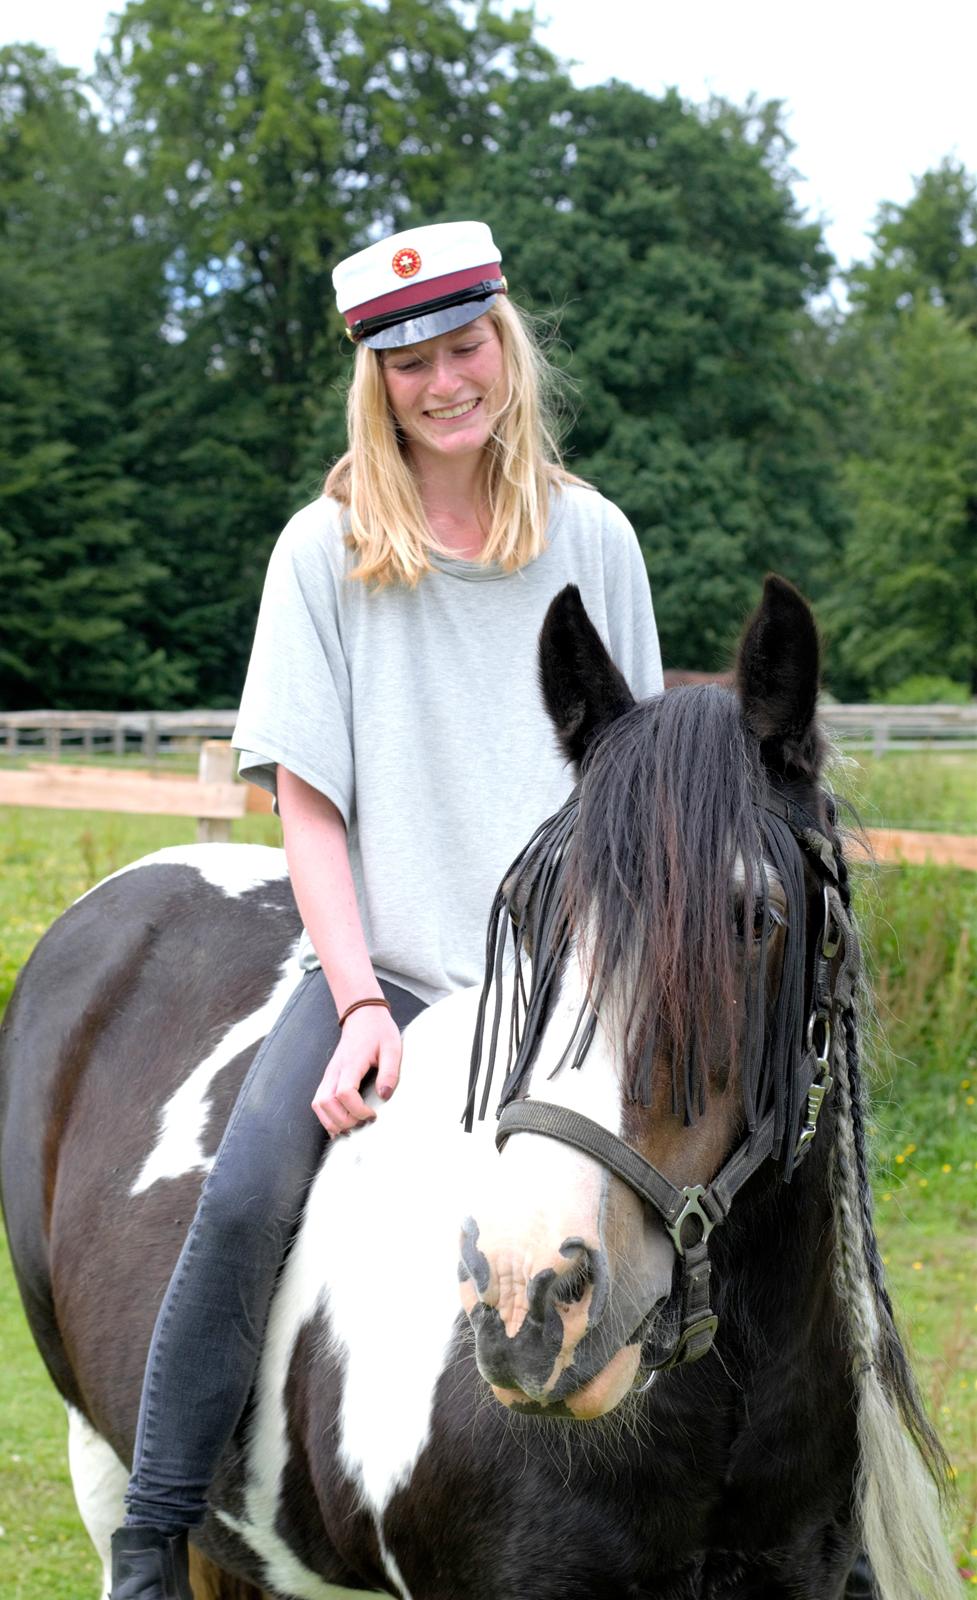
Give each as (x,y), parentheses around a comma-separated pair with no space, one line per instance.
(876,91)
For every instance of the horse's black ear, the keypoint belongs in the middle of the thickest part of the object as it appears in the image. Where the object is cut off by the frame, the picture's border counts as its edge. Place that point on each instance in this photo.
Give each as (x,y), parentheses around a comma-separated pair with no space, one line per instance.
(583,689)
(777,673)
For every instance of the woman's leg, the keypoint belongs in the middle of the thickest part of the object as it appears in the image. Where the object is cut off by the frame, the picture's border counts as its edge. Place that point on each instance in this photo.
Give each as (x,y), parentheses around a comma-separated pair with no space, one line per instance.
(205,1346)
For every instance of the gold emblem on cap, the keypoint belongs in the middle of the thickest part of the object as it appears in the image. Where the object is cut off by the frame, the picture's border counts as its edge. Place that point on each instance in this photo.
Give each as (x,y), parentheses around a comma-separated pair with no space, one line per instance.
(406,262)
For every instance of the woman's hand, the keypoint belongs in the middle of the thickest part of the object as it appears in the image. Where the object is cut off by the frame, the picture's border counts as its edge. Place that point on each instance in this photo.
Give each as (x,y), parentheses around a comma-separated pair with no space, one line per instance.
(370,1038)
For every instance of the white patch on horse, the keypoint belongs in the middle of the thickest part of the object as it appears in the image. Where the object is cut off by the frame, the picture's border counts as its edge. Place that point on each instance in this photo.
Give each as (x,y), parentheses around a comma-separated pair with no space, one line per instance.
(99,1480)
(357,1257)
(775,887)
(232,868)
(184,1116)
(541,1170)
(406,1180)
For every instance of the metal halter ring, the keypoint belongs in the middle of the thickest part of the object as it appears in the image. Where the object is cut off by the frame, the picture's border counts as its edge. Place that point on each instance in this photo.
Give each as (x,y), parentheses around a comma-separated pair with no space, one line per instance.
(692,1208)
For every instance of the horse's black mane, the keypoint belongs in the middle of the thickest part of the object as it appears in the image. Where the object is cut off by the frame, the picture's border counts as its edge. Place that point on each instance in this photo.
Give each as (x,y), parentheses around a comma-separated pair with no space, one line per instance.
(642,858)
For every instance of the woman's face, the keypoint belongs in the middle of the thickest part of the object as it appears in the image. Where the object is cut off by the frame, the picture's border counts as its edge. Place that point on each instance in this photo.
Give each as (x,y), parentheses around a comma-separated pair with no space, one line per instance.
(446,392)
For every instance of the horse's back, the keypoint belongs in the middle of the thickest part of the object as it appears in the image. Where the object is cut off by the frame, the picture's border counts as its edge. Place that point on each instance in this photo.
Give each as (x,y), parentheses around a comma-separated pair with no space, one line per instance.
(126,998)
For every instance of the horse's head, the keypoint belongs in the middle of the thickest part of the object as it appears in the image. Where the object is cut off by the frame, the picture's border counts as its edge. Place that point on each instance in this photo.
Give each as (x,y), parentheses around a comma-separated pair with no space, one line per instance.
(669,926)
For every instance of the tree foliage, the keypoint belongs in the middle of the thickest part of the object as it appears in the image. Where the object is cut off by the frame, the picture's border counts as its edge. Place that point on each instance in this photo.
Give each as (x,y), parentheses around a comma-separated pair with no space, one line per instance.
(80,303)
(173,368)
(925,252)
(665,241)
(906,602)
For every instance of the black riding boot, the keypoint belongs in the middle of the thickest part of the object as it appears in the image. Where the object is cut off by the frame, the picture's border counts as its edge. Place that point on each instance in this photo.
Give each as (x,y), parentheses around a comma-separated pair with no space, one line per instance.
(149,1565)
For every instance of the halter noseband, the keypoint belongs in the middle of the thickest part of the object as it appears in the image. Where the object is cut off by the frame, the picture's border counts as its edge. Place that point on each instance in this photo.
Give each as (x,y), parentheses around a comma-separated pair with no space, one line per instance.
(690,1213)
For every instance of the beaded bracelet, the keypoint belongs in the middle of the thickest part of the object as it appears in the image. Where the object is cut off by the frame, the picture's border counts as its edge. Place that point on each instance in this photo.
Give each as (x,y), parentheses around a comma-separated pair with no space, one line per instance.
(374,1000)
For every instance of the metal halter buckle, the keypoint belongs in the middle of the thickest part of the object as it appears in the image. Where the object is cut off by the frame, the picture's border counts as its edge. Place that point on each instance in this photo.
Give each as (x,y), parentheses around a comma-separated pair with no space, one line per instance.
(815,1100)
(692,1208)
(831,938)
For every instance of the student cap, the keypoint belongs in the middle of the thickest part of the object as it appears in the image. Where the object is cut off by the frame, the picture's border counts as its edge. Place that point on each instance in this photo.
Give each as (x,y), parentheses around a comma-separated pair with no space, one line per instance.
(419,283)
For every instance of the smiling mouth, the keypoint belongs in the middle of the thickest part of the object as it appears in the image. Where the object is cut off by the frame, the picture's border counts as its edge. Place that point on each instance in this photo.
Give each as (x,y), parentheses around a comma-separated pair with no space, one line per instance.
(448,412)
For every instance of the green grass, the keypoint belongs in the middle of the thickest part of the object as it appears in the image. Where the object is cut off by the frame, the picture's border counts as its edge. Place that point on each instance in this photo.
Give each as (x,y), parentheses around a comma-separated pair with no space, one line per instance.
(921,926)
(934,791)
(44,1550)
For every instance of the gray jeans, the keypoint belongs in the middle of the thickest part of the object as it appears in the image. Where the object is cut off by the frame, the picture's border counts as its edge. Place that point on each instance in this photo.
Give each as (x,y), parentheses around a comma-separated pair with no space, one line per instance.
(208,1333)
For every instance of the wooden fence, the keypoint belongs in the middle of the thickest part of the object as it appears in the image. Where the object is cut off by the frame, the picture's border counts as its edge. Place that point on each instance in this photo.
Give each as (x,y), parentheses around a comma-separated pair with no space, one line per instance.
(156,734)
(212,796)
(216,800)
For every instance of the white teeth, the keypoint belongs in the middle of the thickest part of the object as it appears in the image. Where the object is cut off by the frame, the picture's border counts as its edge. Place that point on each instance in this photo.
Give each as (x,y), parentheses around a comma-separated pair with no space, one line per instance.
(454,411)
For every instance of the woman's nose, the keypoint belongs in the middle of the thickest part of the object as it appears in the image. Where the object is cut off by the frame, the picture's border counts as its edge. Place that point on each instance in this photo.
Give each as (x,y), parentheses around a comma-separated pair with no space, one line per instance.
(443,379)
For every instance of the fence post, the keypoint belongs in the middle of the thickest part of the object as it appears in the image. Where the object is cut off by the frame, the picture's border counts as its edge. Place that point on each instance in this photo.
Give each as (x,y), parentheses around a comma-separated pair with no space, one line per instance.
(216,765)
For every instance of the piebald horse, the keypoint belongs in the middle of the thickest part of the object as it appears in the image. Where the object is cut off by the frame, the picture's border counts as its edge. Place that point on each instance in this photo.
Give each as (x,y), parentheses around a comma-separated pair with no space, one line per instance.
(673,1372)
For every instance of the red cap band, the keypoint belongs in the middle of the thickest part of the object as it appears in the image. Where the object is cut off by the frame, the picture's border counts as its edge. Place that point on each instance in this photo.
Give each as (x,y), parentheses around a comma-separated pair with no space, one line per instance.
(415,294)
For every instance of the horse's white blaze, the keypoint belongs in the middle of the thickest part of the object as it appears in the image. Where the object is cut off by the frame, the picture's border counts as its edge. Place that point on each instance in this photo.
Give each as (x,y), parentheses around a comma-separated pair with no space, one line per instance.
(546,1191)
(374,1200)
(99,1480)
(233,868)
(183,1117)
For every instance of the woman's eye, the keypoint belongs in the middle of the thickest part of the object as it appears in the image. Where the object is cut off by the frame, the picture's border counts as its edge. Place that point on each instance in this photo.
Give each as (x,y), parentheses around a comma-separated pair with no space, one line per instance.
(407,366)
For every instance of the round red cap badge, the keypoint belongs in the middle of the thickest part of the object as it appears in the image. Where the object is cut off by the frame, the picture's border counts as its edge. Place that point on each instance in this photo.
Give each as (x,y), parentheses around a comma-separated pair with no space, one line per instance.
(406,262)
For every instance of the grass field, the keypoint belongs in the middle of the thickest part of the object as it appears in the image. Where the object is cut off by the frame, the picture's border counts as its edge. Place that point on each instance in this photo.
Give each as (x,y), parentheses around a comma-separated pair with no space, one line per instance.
(920,925)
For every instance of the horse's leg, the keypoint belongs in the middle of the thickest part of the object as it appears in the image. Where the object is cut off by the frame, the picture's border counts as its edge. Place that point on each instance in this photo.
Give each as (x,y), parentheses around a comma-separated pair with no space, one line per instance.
(99,1480)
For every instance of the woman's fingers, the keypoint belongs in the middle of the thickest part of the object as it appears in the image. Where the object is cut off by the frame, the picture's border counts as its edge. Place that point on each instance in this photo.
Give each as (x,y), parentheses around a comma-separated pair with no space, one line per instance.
(369,1039)
(388,1074)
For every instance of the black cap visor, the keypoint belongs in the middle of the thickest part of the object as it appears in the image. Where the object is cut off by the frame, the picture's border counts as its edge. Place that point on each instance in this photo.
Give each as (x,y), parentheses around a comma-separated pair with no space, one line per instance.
(393,330)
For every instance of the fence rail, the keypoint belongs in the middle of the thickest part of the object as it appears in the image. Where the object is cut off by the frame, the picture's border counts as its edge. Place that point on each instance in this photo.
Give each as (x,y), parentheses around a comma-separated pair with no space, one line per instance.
(155,734)
(212,796)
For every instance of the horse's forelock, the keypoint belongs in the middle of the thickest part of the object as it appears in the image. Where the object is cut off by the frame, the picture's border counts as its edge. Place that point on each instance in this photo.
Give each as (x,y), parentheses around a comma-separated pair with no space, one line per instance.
(668,810)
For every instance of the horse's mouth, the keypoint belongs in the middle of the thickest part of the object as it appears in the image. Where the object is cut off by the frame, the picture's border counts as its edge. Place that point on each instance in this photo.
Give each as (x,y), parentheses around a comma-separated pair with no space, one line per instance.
(595,1398)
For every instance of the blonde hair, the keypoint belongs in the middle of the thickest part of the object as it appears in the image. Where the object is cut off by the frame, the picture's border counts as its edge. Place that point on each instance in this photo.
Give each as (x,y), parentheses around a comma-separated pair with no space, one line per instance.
(374,480)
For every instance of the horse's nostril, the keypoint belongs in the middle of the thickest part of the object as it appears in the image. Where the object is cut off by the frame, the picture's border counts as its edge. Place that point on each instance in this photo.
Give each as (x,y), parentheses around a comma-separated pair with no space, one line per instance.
(573,1284)
(551,1288)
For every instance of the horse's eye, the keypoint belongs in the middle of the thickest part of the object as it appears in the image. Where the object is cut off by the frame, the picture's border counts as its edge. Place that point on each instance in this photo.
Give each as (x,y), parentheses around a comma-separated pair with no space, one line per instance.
(764,920)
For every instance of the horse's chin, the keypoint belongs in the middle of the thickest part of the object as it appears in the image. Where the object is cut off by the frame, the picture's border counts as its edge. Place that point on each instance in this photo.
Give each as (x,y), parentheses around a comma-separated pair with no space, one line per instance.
(594,1399)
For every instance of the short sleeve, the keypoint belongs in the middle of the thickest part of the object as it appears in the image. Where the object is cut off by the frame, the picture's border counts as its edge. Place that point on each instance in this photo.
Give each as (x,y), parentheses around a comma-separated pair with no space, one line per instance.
(296,706)
(630,611)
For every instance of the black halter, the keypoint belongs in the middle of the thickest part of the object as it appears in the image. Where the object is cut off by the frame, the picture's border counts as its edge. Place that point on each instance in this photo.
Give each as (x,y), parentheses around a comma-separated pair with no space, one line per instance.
(690,1213)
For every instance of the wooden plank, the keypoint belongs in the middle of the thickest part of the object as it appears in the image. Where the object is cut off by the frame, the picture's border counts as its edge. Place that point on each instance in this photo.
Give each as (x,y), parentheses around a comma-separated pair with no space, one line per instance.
(109,775)
(85,790)
(942,849)
(215,766)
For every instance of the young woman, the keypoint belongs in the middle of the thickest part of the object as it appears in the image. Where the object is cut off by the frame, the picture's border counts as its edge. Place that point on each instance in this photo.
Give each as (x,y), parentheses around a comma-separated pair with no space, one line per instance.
(392,706)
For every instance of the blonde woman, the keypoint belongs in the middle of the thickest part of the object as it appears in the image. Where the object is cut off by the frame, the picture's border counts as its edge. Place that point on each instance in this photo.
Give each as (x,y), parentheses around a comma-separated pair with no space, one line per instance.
(391,704)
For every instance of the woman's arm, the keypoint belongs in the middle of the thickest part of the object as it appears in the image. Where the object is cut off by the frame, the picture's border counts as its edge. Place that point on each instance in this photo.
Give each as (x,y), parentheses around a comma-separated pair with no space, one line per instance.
(318,863)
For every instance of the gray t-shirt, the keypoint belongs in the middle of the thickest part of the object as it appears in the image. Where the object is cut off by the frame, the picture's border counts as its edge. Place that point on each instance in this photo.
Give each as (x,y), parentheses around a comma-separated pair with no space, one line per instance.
(418,713)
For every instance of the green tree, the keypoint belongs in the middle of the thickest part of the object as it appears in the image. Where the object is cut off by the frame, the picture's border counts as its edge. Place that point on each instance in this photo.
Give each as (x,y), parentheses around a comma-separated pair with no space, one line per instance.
(80,305)
(664,240)
(924,252)
(906,602)
(278,135)
(268,140)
